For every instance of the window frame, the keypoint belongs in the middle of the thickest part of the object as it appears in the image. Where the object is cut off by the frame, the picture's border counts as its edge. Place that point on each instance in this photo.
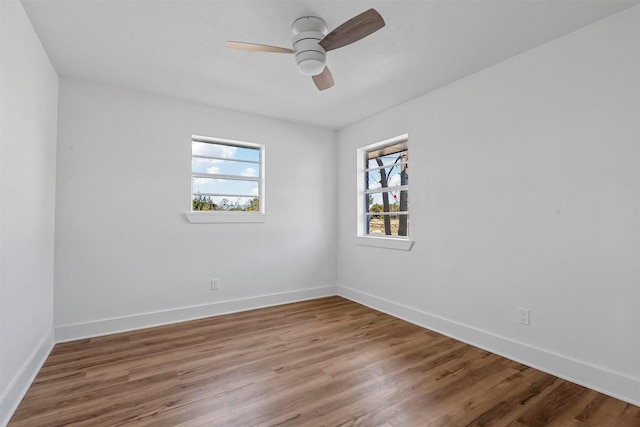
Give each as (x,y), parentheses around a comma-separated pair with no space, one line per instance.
(362,238)
(223,216)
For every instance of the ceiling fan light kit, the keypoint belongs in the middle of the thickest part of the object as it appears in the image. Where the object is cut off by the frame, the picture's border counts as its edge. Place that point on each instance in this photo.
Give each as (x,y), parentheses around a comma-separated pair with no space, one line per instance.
(311,43)
(308,31)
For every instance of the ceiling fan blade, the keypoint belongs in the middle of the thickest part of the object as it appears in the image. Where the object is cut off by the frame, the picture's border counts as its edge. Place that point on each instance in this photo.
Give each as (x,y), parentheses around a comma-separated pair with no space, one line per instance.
(353,30)
(254,47)
(324,80)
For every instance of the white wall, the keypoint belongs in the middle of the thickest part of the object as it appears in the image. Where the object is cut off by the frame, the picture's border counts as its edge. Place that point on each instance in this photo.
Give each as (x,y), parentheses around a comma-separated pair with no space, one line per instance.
(126,257)
(29,95)
(523,193)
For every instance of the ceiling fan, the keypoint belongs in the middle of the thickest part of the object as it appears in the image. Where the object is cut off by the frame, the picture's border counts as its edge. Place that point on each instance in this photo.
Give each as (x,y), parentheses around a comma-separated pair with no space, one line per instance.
(311,43)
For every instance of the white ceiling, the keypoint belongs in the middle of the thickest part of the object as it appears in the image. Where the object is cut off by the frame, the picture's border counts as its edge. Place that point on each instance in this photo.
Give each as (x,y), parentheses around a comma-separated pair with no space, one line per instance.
(176,48)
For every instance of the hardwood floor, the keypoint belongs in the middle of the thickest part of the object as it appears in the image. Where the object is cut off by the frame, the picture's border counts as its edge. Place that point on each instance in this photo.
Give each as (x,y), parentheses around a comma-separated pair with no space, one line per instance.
(326,362)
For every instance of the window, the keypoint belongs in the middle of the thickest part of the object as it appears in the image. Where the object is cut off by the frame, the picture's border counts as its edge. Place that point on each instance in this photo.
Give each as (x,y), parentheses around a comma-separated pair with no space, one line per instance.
(226,177)
(383,191)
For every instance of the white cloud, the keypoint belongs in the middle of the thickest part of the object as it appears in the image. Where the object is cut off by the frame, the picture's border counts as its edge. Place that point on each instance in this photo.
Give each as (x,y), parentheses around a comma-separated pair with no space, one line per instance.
(249,172)
(213,170)
(203,165)
(213,150)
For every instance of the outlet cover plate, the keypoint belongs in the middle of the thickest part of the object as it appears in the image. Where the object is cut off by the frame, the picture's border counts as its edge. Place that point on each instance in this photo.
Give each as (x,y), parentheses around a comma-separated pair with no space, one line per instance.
(524,316)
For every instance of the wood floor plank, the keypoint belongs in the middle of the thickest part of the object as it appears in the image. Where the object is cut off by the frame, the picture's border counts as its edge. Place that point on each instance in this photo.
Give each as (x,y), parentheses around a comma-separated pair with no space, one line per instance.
(328,362)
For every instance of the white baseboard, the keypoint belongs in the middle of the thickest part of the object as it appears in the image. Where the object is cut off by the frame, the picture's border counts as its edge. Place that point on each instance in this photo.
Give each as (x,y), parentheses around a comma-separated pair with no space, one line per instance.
(611,383)
(18,387)
(148,320)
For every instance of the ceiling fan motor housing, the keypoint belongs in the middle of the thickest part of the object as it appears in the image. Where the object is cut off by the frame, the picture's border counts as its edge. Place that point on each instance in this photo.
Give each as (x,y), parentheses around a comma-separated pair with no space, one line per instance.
(310,56)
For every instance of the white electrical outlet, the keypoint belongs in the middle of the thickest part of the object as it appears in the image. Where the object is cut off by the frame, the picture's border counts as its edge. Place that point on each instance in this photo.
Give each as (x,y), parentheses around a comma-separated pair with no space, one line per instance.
(524,316)
(215,284)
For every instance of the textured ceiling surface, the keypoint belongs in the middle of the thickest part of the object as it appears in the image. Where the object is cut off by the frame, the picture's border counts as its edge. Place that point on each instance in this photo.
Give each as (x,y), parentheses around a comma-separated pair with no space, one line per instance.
(176,48)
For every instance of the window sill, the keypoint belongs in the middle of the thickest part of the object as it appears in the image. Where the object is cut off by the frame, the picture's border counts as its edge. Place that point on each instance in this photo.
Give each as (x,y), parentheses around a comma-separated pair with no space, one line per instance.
(224,217)
(385,242)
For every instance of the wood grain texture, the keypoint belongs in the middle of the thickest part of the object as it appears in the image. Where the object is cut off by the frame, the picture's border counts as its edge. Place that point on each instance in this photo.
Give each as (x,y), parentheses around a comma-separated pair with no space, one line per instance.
(255,47)
(326,362)
(354,29)
(324,80)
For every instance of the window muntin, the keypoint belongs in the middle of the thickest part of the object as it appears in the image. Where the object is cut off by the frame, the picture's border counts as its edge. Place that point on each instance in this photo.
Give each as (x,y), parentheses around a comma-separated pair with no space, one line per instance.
(226,175)
(221,167)
(386,189)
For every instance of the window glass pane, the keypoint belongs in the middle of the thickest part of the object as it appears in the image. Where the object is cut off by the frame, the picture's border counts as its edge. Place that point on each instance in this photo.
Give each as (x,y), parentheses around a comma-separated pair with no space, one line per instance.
(392,175)
(375,158)
(398,201)
(224,167)
(230,187)
(389,159)
(387,225)
(225,203)
(373,179)
(224,151)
